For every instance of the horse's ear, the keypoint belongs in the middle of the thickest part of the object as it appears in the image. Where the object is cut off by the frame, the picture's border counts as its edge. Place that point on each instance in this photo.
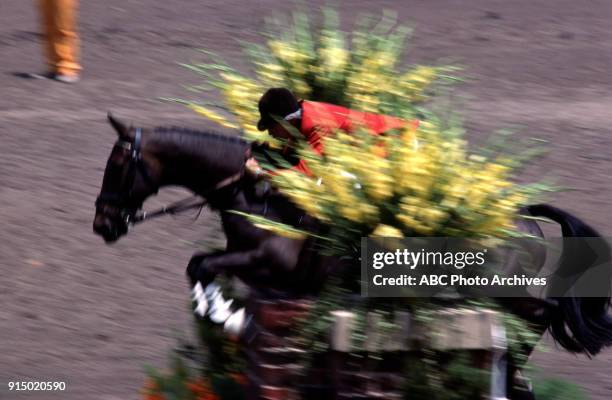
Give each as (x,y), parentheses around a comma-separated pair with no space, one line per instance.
(120,127)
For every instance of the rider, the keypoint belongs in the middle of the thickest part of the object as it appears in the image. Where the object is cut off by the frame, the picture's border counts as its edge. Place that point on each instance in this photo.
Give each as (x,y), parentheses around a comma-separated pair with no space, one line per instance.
(314,121)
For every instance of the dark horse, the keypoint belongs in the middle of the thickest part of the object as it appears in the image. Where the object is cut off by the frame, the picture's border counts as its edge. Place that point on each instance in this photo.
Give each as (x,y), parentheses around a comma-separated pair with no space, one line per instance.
(143,161)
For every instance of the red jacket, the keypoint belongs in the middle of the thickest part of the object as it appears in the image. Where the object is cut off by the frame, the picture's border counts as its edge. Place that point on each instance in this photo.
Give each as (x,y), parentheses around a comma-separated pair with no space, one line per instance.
(321,119)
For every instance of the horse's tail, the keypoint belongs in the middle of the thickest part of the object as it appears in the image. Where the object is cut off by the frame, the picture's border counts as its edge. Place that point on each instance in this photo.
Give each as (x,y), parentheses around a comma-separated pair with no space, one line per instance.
(579,324)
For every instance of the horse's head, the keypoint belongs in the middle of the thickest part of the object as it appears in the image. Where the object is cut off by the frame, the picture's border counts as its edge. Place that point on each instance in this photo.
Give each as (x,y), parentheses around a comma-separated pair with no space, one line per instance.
(132,174)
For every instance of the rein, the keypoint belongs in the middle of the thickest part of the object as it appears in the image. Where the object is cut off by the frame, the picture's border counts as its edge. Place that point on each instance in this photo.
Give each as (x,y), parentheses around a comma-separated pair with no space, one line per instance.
(187,203)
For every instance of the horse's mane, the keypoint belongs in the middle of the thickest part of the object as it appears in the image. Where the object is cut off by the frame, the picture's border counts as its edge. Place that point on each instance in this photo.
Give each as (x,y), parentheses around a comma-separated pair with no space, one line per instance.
(184,134)
(198,141)
(220,150)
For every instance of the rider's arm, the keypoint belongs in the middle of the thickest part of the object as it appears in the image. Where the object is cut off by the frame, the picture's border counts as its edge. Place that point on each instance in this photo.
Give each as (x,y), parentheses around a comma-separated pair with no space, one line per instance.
(315,138)
(302,168)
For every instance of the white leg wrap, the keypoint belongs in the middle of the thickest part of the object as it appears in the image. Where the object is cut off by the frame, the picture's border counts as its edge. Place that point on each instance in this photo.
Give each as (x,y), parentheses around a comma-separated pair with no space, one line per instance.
(212,291)
(197,295)
(197,291)
(201,308)
(235,323)
(220,309)
(210,301)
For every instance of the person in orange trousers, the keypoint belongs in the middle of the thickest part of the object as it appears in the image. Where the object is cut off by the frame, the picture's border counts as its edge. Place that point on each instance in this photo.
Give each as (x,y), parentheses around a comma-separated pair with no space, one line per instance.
(62,42)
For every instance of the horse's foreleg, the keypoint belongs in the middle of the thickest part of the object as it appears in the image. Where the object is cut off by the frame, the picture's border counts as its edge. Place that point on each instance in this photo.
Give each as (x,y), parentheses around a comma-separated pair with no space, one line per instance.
(202,270)
(240,263)
(201,282)
(277,254)
(272,255)
(230,262)
(197,271)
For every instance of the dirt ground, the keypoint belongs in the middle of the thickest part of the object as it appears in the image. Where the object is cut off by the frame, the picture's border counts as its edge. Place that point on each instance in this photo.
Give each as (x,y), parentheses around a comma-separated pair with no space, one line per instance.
(92,315)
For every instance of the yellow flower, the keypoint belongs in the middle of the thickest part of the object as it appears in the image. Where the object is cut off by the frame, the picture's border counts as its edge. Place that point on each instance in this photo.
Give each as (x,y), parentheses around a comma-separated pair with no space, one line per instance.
(281,231)
(211,115)
(426,174)
(351,213)
(387,231)
(300,88)
(414,82)
(332,56)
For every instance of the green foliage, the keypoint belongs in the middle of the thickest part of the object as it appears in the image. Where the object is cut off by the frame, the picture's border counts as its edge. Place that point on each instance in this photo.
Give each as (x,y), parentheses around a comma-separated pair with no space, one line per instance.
(179,382)
(557,389)
(436,376)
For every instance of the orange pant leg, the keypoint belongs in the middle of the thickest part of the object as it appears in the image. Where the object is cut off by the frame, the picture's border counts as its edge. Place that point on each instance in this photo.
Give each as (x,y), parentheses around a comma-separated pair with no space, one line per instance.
(47,22)
(63,40)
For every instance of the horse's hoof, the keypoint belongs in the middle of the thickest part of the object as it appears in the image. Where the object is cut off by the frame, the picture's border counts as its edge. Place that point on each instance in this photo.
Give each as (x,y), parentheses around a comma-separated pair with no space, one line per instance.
(235,323)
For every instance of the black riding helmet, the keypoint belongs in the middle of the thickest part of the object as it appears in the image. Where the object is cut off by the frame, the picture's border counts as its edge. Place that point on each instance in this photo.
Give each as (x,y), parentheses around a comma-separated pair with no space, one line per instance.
(276,102)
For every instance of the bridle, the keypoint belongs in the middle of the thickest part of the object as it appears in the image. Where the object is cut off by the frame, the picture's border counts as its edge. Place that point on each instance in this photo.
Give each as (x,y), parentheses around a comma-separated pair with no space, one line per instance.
(122,200)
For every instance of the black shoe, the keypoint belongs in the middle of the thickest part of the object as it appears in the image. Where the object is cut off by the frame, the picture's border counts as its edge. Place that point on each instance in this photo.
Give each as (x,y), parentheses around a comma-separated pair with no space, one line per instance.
(50,75)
